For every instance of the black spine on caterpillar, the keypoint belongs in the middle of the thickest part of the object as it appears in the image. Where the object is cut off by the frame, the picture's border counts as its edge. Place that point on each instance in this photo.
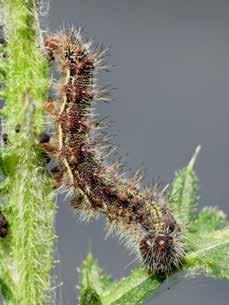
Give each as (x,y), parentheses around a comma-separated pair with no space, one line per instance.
(141,218)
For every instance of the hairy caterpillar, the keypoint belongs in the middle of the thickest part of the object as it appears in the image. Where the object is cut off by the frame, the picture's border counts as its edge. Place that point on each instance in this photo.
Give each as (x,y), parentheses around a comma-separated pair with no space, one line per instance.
(141,218)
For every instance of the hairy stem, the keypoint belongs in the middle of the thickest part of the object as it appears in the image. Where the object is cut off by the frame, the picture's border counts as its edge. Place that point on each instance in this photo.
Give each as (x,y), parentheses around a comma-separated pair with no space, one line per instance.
(30,209)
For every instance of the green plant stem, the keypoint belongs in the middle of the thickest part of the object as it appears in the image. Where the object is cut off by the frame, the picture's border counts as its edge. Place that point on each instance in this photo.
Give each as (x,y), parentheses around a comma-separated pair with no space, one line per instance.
(30,209)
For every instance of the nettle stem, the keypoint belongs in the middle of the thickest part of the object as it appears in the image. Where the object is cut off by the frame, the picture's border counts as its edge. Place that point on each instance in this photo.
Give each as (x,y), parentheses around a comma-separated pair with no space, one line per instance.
(30,209)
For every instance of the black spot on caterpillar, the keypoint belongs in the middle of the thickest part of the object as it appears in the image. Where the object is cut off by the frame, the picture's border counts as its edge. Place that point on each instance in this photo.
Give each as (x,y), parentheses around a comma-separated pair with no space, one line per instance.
(4,225)
(142,218)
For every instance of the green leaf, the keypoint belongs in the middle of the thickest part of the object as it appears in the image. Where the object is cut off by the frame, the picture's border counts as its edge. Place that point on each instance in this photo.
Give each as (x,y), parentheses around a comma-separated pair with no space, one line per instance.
(2,67)
(8,161)
(207,220)
(100,289)
(183,195)
(90,276)
(5,291)
(132,290)
(211,256)
(4,186)
(89,297)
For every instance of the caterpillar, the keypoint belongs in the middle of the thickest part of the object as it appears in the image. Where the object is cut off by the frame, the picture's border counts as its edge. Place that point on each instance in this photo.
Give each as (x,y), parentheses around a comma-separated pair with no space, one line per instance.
(141,218)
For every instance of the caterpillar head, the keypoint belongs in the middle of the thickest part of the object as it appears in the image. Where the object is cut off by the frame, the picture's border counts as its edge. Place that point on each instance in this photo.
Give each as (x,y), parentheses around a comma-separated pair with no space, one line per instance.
(162,249)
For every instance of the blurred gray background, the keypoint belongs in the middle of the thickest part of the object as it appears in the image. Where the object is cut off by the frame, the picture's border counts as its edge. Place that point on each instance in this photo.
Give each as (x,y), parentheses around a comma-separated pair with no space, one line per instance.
(171,74)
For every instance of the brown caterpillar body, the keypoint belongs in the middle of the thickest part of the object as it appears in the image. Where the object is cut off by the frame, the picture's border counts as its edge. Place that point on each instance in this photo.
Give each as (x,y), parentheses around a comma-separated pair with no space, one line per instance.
(141,218)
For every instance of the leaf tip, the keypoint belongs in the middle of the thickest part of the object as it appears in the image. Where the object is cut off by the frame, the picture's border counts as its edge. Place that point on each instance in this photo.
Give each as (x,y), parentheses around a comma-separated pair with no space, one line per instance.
(194,157)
